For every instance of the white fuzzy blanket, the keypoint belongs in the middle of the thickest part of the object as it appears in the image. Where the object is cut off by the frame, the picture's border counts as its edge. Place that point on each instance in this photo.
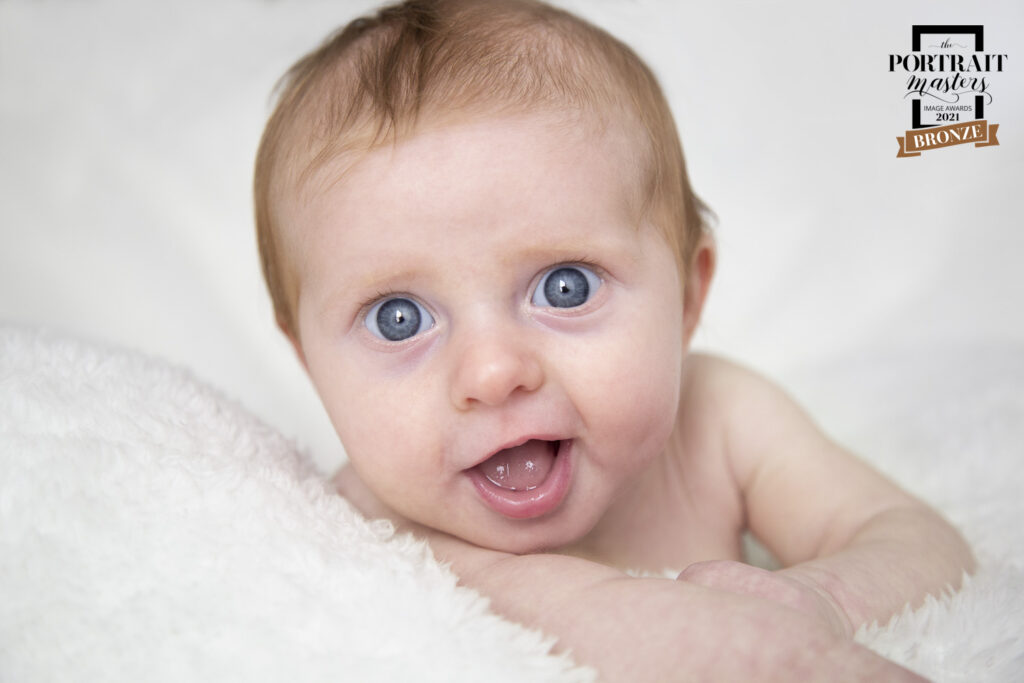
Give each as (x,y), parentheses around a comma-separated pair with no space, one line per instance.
(151,529)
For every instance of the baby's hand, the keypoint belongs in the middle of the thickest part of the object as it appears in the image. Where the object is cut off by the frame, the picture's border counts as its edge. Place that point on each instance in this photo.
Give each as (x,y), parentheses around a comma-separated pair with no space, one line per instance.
(792,592)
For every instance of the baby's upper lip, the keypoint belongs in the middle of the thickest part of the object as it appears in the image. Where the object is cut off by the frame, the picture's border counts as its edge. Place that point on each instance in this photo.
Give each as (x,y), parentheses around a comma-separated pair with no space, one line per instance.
(518,441)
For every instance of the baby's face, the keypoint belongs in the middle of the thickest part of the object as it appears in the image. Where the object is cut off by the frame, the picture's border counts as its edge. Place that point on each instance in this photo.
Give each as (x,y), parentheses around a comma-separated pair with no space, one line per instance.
(495,337)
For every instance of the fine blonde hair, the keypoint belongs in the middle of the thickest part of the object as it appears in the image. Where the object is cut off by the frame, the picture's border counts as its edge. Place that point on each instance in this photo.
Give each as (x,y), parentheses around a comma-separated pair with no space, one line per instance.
(373,80)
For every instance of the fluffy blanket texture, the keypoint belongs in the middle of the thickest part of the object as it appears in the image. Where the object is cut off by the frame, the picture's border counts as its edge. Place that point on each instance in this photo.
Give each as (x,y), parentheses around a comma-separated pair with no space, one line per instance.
(151,529)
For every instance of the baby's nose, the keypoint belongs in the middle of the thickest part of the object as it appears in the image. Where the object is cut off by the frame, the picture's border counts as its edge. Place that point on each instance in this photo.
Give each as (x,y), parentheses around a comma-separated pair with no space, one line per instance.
(490,368)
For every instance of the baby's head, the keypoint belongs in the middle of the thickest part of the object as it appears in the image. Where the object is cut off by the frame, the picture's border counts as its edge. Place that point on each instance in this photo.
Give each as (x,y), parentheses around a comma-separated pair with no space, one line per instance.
(477,230)
(424,63)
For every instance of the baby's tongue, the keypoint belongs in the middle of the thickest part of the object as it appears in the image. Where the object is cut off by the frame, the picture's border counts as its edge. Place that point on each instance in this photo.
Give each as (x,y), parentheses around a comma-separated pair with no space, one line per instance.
(521,468)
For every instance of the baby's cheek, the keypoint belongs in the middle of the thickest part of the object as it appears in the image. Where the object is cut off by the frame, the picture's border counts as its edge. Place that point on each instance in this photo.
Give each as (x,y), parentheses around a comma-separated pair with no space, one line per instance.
(639,392)
(380,423)
(393,434)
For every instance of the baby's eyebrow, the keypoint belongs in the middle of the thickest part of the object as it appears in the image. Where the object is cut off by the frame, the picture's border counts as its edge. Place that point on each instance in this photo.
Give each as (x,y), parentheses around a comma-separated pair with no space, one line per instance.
(585,247)
(354,288)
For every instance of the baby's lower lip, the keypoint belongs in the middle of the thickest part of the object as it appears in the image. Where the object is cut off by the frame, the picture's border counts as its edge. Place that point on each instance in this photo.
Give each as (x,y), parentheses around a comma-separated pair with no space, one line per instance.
(529,503)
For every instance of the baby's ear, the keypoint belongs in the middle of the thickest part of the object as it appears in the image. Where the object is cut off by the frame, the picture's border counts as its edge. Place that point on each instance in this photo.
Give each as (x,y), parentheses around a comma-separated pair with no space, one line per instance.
(293,338)
(698,282)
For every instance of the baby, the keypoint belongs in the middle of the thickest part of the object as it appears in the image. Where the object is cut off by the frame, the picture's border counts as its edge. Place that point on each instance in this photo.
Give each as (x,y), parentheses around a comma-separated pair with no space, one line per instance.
(478,232)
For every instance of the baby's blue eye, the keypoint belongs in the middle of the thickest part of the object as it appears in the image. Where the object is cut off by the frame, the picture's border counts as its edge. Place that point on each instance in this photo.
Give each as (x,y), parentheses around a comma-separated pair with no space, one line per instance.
(566,287)
(398,319)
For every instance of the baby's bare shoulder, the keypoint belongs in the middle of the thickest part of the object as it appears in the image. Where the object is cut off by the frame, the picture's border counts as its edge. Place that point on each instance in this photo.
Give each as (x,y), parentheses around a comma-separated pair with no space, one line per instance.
(741,406)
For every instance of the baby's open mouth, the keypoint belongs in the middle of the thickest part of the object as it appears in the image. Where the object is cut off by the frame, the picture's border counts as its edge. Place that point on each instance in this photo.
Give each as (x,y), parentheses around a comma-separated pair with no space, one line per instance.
(526,481)
(523,467)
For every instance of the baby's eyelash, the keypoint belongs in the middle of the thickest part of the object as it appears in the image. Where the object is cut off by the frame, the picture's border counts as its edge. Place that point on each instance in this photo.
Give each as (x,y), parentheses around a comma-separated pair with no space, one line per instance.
(366,304)
(582,260)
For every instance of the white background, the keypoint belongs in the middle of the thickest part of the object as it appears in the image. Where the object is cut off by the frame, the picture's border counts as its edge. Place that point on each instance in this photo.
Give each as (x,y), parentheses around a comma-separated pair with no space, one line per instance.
(128,129)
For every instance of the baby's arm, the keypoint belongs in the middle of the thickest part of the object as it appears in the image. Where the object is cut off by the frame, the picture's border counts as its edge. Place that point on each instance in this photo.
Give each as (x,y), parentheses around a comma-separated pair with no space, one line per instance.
(837,525)
(634,629)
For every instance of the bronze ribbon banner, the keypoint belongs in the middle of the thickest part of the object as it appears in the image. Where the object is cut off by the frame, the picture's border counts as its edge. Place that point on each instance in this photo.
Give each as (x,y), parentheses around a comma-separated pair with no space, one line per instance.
(981,133)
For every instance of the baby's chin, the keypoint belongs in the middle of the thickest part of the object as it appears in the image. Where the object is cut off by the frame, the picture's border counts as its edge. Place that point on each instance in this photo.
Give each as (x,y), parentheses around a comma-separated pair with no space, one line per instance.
(526,537)
(519,545)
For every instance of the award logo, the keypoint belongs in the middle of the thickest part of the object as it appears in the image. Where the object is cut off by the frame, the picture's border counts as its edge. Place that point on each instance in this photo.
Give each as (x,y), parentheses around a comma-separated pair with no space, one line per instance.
(949,86)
